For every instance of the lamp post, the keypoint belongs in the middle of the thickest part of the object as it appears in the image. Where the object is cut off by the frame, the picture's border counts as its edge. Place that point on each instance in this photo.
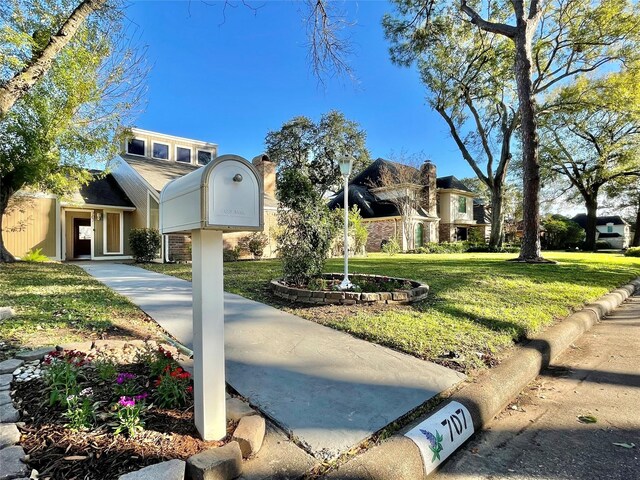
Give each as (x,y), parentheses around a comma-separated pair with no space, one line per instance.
(345,164)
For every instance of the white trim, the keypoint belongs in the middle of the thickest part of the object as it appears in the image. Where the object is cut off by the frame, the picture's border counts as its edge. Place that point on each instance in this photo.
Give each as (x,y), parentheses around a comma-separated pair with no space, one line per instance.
(93,229)
(114,257)
(104,232)
(95,206)
(126,146)
(175,151)
(149,195)
(168,150)
(140,131)
(210,152)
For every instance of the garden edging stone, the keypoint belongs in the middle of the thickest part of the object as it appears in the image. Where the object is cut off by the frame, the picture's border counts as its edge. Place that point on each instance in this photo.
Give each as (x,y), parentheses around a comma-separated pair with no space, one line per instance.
(10,365)
(9,435)
(399,458)
(222,463)
(170,470)
(11,459)
(250,434)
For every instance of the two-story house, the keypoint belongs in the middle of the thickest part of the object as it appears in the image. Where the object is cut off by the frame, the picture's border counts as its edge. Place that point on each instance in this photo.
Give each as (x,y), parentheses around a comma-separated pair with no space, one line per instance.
(442,208)
(612,229)
(95,222)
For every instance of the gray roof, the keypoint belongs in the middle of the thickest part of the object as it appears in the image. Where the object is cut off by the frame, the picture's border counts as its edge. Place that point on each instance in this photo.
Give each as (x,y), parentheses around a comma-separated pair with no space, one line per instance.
(104,190)
(581,219)
(451,182)
(158,172)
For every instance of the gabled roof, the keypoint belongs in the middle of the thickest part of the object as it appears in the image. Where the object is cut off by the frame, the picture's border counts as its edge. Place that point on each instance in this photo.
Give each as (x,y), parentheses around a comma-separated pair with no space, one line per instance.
(370,176)
(103,190)
(581,219)
(451,182)
(158,172)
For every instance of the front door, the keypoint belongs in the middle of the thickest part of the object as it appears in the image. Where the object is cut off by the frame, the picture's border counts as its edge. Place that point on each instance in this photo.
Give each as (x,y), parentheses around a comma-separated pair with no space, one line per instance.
(82,233)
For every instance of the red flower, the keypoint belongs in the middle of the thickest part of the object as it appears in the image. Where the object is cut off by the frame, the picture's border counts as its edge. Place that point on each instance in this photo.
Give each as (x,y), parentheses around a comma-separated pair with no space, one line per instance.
(157,382)
(189,389)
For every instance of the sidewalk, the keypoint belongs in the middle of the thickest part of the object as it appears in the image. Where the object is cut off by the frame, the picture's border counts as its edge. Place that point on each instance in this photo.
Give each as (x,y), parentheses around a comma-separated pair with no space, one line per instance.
(539,436)
(327,388)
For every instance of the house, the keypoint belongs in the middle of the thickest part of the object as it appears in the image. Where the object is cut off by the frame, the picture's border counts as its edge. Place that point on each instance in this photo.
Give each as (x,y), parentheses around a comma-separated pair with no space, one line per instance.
(94,224)
(442,207)
(611,229)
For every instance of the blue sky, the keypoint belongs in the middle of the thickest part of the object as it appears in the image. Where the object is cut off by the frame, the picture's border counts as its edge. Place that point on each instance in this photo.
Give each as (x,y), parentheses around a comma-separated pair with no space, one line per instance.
(230,81)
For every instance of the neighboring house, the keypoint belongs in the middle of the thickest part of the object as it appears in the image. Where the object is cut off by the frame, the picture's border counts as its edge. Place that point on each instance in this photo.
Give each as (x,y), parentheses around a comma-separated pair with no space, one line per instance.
(95,223)
(444,210)
(611,229)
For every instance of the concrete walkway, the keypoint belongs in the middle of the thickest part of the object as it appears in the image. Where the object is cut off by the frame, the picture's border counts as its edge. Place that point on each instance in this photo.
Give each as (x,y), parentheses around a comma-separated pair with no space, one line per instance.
(325,387)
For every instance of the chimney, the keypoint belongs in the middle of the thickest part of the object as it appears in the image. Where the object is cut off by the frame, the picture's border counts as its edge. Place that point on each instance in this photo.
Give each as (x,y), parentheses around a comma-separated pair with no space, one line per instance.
(428,180)
(267,169)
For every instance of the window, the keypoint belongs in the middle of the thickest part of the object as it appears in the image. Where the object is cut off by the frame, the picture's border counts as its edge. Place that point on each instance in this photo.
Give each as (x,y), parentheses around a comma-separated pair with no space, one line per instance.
(154,213)
(204,157)
(113,232)
(136,146)
(161,151)
(609,228)
(183,155)
(462,204)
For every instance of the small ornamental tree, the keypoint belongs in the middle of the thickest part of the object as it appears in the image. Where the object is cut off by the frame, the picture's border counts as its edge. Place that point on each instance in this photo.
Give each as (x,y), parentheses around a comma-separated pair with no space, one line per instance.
(307,228)
(561,232)
(145,244)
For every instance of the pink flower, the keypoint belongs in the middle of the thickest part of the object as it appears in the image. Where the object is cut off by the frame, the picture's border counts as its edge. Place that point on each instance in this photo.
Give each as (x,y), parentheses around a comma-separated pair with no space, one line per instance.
(127,402)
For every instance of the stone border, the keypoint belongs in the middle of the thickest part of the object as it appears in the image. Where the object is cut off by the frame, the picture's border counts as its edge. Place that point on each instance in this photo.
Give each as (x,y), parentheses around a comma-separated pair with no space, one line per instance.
(399,458)
(420,291)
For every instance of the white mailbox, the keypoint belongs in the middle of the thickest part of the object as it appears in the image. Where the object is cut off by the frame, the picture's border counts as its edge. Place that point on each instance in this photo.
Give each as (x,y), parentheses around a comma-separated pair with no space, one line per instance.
(225,195)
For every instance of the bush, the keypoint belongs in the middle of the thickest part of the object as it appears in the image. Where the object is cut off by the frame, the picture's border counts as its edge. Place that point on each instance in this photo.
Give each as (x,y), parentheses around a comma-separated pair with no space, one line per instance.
(305,241)
(145,244)
(391,246)
(254,243)
(602,245)
(561,233)
(358,233)
(632,252)
(446,247)
(231,254)
(35,256)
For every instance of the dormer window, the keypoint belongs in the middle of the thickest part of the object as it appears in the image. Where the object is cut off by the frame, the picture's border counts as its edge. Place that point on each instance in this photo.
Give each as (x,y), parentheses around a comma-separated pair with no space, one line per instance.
(160,151)
(136,146)
(204,157)
(183,154)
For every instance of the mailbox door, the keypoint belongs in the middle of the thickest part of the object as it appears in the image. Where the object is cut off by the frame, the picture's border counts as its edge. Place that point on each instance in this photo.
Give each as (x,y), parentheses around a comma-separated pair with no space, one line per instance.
(234,196)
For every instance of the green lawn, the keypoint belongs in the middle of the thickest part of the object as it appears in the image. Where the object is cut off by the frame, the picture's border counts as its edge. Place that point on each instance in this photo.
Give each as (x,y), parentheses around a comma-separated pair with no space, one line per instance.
(478,305)
(59,303)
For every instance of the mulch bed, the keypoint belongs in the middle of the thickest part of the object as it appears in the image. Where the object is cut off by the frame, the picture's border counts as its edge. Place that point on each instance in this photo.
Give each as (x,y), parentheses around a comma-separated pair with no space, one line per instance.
(57,452)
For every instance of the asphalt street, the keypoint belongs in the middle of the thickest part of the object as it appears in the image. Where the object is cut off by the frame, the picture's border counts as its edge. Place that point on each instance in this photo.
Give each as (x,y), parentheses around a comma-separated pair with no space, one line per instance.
(546,432)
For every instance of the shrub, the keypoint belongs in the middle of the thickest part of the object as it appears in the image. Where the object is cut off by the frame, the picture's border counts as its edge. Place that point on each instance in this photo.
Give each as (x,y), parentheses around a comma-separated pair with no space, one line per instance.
(145,244)
(231,254)
(35,256)
(602,245)
(391,246)
(358,233)
(317,284)
(305,241)
(561,232)
(632,252)
(446,247)
(254,243)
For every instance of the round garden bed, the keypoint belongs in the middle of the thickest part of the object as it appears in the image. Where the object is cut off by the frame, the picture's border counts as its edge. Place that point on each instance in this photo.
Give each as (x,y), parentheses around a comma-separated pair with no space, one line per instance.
(367,289)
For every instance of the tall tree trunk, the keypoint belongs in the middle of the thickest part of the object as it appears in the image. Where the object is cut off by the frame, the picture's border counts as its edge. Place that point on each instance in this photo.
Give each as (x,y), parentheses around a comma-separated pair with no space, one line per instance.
(5,195)
(636,234)
(530,250)
(496,238)
(41,61)
(591,228)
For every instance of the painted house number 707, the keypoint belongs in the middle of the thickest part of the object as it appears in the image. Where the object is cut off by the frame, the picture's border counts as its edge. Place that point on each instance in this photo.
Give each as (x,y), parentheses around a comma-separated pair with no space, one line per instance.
(454,421)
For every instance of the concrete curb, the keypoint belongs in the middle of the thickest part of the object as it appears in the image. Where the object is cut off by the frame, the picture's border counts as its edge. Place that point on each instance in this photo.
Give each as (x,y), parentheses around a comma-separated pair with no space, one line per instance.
(399,457)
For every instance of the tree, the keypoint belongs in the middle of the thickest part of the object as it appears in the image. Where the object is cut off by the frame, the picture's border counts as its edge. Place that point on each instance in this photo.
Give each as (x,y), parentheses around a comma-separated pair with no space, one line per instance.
(624,193)
(591,137)
(315,148)
(573,37)
(561,232)
(71,115)
(42,45)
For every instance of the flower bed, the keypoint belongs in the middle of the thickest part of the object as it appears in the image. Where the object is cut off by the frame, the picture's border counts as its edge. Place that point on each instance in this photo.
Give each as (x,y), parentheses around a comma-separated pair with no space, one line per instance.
(89,416)
(367,289)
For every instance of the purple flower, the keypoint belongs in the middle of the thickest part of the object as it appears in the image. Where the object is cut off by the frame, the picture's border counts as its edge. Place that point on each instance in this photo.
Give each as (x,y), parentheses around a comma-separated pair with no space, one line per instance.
(127,402)
(124,377)
(142,396)
(429,436)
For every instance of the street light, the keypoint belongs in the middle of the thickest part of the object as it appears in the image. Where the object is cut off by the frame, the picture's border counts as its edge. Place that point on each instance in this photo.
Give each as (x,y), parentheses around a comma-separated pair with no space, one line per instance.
(345,164)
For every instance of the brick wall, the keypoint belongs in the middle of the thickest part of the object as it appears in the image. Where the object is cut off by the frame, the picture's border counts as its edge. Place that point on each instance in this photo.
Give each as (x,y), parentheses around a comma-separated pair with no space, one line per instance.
(180,248)
(382,230)
(447,232)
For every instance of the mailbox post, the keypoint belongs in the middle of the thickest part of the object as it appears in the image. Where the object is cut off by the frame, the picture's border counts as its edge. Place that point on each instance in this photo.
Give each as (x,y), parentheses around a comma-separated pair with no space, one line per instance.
(224,196)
